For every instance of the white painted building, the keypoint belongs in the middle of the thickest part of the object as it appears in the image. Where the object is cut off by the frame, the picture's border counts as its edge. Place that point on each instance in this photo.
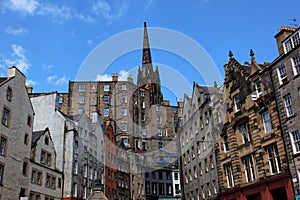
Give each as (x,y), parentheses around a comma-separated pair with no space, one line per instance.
(78,143)
(62,131)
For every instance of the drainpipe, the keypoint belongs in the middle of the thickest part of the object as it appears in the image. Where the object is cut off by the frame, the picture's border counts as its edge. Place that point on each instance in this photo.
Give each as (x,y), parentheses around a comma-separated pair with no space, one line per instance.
(280,121)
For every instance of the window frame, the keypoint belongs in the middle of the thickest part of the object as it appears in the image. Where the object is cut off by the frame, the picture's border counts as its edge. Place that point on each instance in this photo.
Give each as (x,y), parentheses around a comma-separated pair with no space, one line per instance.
(295,60)
(106,99)
(3,147)
(81,99)
(268,127)
(295,141)
(5,119)
(124,112)
(229,175)
(9,94)
(289,107)
(258,88)
(123,87)
(273,159)
(249,170)
(75,168)
(124,99)
(124,126)
(246,132)
(106,88)
(160,145)
(225,143)
(282,75)
(2,168)
(81,88)
(237,103)
(106,112)
(159,132)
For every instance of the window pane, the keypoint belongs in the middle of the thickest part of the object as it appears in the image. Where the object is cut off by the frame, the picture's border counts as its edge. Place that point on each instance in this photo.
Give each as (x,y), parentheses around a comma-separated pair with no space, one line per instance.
(296,141)
(267,121)
(289,105)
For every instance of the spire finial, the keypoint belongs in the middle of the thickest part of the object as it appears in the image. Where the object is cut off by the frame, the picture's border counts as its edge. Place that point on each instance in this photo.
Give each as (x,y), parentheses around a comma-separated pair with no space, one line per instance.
(251,53)
(146,47)
(230,54)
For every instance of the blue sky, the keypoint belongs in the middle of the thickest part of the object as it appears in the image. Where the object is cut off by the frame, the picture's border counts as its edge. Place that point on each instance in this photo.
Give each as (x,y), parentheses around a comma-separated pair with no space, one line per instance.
(50,40)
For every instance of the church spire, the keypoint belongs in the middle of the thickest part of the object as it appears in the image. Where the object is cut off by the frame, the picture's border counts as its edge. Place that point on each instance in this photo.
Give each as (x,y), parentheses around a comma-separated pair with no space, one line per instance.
(146,47)
(147,78)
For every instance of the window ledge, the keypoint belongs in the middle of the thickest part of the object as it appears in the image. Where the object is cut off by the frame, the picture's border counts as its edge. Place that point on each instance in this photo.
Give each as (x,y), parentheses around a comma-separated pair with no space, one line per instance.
(296,154)
(291,116)
(283,84)
(246,144)
(296,76)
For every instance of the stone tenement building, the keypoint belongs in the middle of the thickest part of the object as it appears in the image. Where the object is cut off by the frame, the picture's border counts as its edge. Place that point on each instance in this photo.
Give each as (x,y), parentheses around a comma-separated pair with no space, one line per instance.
(45,180)
(142,121)
(110,187)
(251,156)
(285,71)
(15,135)
(122,177)
(197,136)
(78,143)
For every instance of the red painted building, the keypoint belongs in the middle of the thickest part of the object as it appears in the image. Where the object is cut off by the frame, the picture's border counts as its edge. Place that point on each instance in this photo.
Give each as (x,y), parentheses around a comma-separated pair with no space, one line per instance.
(110,154)
(274,188)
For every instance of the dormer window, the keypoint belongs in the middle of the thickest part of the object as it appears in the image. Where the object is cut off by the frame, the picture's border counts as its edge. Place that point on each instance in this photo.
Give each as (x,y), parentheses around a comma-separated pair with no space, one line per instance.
(296,39)
(288,45)
(292,42)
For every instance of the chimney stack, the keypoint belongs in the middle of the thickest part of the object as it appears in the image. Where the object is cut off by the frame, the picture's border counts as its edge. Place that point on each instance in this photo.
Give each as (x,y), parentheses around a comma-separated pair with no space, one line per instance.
(29,89)
(283,33)
(129,79)
(115,77)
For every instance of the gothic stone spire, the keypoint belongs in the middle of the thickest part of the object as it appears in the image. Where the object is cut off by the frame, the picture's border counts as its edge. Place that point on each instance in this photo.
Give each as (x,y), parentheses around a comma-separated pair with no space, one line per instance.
(146,47)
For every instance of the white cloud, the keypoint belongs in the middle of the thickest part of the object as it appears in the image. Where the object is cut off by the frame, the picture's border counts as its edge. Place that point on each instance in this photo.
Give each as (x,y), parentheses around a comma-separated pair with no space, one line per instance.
(122,76)
(148,4)
(104,77)
(61,81)
(57,81)
(110,12)
(16,58)
(47,67)
(51,78)
(59,14)
(31,82)
(25,6)
(85,18)
(89,42)
(15,31)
